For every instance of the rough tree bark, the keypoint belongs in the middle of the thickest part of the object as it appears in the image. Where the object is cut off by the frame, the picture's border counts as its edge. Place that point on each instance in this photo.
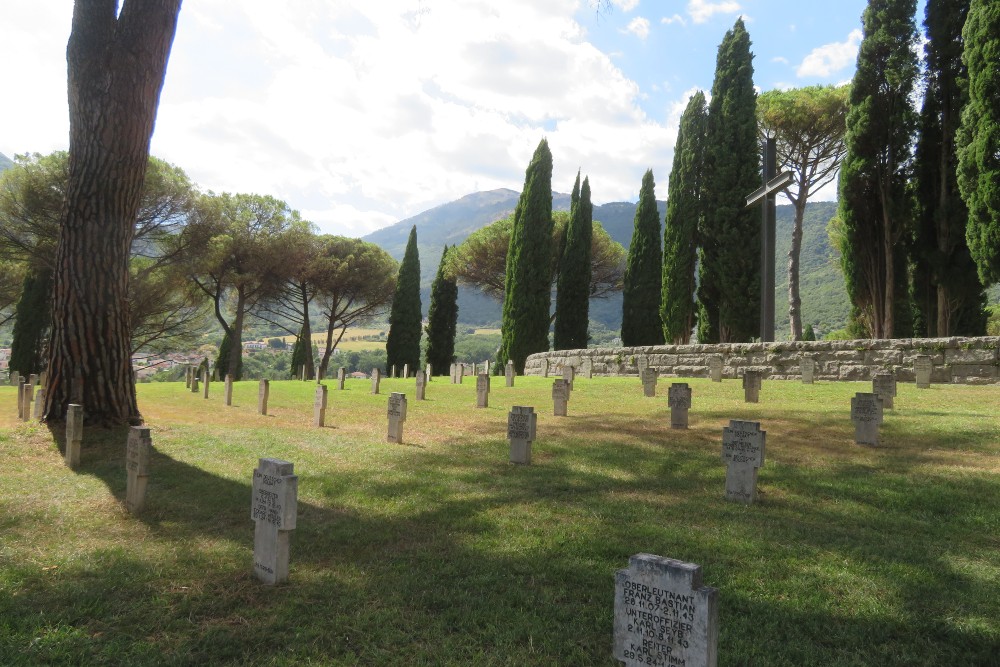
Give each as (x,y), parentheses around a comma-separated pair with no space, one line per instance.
(116,67)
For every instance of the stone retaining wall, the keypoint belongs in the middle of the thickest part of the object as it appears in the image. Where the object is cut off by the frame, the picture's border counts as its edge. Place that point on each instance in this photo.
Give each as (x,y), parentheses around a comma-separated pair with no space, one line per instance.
(955,360)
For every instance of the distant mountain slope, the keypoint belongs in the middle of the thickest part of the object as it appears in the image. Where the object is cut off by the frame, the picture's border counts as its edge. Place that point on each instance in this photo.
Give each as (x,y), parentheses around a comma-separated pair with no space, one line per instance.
(824,300)
(5,162)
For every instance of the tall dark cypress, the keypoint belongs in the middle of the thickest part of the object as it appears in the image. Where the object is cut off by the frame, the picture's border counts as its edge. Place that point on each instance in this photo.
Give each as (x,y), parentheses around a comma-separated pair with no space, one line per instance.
(402,346)
(573,285)
(643,273)
(31,323)
(948,296)
(442,319)
(875,208)
(729,288)
(528,282)
(684,215)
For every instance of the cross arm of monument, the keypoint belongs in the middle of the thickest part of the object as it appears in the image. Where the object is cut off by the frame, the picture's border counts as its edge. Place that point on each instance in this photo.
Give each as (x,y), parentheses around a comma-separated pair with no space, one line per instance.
(776,184)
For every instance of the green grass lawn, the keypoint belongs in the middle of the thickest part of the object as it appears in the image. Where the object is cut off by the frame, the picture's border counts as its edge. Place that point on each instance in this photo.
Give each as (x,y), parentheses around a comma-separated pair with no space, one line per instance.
(439,552)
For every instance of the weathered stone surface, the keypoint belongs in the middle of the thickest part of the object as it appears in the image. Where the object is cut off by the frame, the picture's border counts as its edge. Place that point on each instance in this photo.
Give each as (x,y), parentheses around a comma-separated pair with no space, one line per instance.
(560,397)
(664,615)
(376,380)
(263,391)
(743,453)
(648,376)
(273,510)
(74,434)
(866,413)
(884,384)
(137,453)
(922,370)
(679,401)
(397,416)
(522,423)
(970,356)
(508,372)
(228,389)
(751,385)
(319,406)
(807,367)
(421,384)
(482,390)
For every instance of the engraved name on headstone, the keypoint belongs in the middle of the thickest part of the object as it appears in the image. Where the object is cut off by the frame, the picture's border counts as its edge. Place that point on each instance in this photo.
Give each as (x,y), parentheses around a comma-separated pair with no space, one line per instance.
(74,434)
(319,406)
(397,416)
(228,390)
(560,397)
(137,451)
(522,423)
(922,367)
(376,379)
(679,401)
(263,390)
(751,385)
(807,366)
(508,372)
(884,384)
(664,615)
(482,390)
(648,376)
(743,454)
(273,509)
(715,368)
(866,413)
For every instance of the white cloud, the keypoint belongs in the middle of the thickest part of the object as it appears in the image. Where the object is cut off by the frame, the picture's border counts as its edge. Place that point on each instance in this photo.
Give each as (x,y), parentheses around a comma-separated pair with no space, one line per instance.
(702,10)
(625,5)
(828,59)
(638,27)
(676,18)
(780,59)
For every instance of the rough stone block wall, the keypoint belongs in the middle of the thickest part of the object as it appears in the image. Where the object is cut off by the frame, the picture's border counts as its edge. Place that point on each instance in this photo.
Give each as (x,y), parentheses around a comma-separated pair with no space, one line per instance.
(955,360)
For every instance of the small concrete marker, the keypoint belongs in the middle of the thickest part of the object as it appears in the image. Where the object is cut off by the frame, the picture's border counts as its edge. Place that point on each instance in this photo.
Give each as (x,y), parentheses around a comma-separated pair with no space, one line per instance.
(866,413)
(522,423)
(376,379)
(508,372)
(228,392)
(422,378)
(137,452)
(341,376)
(319,406)
(922,368)
(273,510)
(648,377)
(560,397)
(397,416)
(751,385)
(807,366)
(884,384)
(482,390)
(743,454)
(262,393)
(679,401)
(715,368)
(74,434)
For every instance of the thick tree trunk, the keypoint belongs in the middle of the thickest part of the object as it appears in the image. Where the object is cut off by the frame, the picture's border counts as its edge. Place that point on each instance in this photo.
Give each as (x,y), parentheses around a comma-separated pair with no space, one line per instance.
(307,335)
(236,337)
(116,68)
(794,300)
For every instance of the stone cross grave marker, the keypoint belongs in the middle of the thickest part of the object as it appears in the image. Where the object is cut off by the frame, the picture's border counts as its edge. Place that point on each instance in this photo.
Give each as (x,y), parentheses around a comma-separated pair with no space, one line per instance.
(522,422)
(397,416)
(679,400)
(74,434)
(376,379)
(319,406)
(664,615)
(884,384)
(262,394)
(482,390)
(866,413)
(569,374)
(715,368)
(560,397)
(743,454)
(807,366)
(341,376)
(643,364)
(273,510)
(421,385)
(922,367)
(751,386)
(137,451)
(39,402)
(545,368)
(228,392)
(208,379)
(649,377)
(508,372)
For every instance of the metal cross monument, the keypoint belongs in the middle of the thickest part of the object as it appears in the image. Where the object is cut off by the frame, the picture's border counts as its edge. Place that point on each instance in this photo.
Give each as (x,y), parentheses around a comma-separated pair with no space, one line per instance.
(772,185)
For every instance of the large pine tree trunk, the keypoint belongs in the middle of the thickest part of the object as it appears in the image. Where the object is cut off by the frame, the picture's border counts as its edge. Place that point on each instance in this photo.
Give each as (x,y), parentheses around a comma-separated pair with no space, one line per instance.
(116,68)
(794,300)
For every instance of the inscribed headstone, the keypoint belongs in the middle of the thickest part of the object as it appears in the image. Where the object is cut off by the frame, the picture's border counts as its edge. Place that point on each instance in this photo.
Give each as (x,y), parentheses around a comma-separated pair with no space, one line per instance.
(421,384)
(461,373)
(406,371)
(743,454)
(319,406)
(884,384)
(922,367)
(508,372)
(715,368)
(560,397)
(588,368)
(807,366)
(273,510)
(39,402)
(27,394)
(545,368)
(397,416)
(21,384)
(679,401)
(522,423)
(74,434)
(648,376)
(262,394)
(664,615)
(376,379)
(482,390)
(866,413)
(751,386)
(137,451)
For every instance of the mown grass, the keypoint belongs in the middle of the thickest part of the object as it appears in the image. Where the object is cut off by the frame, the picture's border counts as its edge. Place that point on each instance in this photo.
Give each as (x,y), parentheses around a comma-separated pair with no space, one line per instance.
(439,552)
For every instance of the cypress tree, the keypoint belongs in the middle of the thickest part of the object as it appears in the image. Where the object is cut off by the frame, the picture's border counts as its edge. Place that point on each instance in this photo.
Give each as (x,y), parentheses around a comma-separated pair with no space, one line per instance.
(641,323)
(442,319)
(684,215)
(31,323)
(874,203)
(402,346)
(299,352)
(979,138)
(729,285)
(947,294)
(573,286)
(527,285)
(222,361)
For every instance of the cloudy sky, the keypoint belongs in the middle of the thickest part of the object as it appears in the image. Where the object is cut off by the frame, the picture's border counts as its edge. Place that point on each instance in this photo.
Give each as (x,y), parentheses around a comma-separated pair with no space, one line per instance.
(360,113)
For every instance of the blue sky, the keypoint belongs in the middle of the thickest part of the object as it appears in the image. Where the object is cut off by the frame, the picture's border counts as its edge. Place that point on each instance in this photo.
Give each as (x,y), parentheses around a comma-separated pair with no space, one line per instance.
(362,113)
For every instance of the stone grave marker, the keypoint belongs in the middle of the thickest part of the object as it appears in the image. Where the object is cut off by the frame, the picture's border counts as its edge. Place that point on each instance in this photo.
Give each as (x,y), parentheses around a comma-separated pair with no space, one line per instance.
(262,394)
(21,384)
(452,373)
(15,379)
(27,394)
(33,379)
(208,378)
(807,366)
(587,368)
(39,402)
(743,454)
(376,379)
(648,376)
(341,376)
(922,367)
(560,397)
(194,383)
(482,390)
(866,413)
(228,392)
(751,386)
(392,372)
(273,510)
(319,406)
(884,384)
(522,423)
(428,372)
(303,377)
(421,385)
(664,615)
(642,363)
(397,416)
(715,368)
(319,375)
(74,434)
(679,401)
(508,372)
(187,377)
(42,378)
(569,374)
(461,373)
(545,368)
(137,451)
(406,371)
